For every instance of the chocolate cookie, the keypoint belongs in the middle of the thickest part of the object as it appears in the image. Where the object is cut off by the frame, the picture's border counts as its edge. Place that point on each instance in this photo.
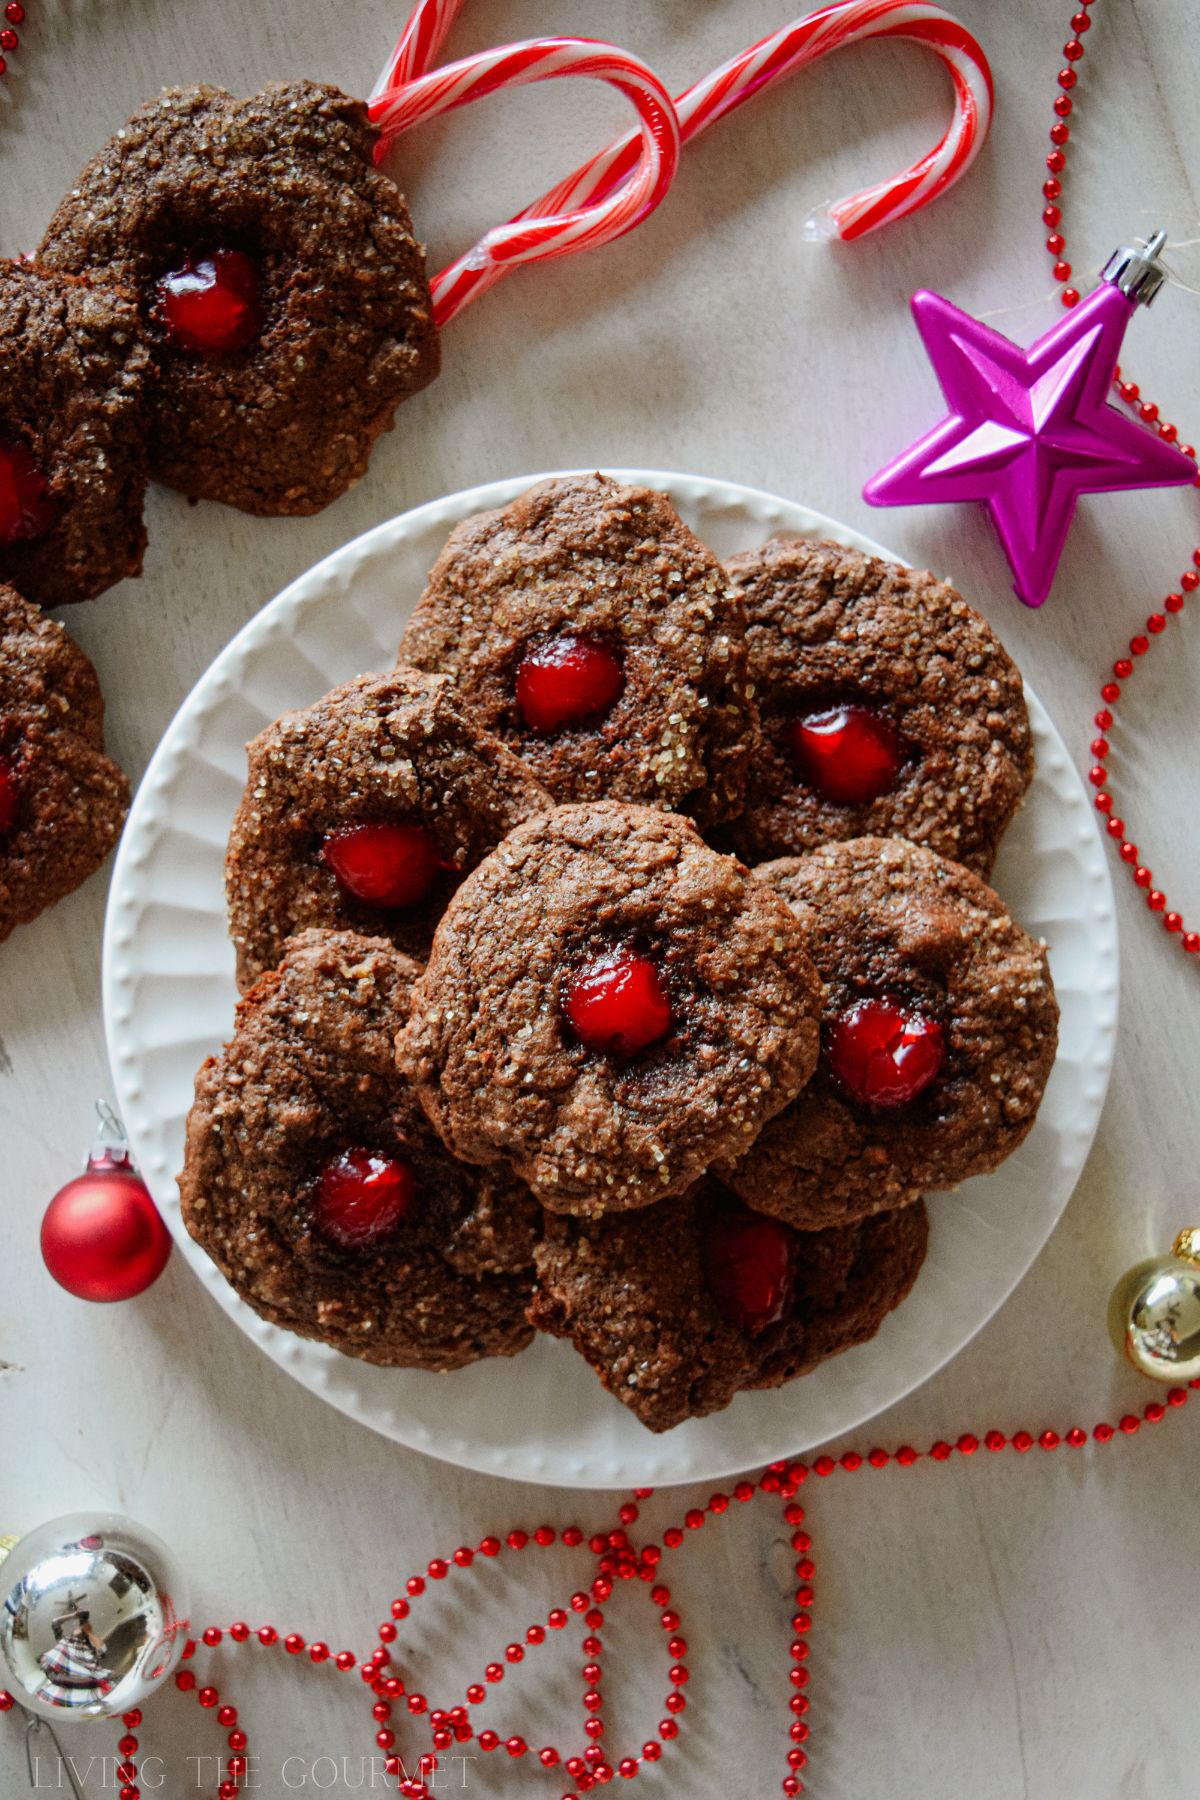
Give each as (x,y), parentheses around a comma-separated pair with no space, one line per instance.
(608,1006)
(587,627)
(62,802)
(888,706)
(279,281)
(72,435)
(364,810)
(682,1305)
(314,1182)
(938,1038)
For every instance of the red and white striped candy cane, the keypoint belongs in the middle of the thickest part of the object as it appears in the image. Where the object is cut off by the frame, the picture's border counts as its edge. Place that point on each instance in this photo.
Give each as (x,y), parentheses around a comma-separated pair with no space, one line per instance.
(760,67)
(545,229)
(426,31)
(808,39)
(805,41)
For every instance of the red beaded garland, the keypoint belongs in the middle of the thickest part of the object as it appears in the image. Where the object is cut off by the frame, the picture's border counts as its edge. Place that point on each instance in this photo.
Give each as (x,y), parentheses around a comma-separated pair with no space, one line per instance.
(1111,692)
(1148,411)
(14,13)
(613,1552)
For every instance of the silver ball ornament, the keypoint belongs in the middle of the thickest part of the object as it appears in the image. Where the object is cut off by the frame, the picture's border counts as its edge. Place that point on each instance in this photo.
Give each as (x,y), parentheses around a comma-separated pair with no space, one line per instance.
(93,1617)
(1154,1313)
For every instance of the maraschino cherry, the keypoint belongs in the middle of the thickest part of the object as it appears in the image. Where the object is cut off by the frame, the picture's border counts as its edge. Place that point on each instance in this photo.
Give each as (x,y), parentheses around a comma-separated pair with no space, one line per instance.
(212,304)
(8,795)
(27,510)
(362,1196)
(391,866)
(847,754)
(619,1004)
(749,1266)
(568,681)
(884,1056)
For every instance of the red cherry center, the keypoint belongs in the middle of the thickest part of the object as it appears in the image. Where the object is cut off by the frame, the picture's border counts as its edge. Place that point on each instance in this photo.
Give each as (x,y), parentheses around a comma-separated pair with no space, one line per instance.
(749,1266)
(384,865)
(567,682)
(619,1004)
(27,511)
(212,304)
(883,1056)
(8,795)
(847,754)
(363,1196)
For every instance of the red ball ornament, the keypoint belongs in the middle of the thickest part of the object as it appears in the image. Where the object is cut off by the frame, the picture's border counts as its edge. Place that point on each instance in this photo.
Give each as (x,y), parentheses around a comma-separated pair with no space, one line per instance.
(102,1236)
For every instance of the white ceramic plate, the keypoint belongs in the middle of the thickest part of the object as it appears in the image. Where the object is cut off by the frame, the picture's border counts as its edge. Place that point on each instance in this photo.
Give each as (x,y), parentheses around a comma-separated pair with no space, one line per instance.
(169,995)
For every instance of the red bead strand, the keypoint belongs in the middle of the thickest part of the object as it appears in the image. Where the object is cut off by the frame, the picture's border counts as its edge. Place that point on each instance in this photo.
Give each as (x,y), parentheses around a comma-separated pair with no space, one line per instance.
(14,14)
(616,1559)
(1147,410)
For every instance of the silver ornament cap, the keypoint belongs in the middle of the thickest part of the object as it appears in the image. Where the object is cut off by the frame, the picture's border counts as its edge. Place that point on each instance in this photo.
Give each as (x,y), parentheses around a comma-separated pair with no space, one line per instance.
(1136,269)
(93,1617)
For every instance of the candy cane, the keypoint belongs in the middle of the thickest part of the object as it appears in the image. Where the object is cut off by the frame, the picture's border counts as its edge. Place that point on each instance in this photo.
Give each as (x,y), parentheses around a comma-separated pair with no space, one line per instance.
(545,229)
(427,30)
(805,41)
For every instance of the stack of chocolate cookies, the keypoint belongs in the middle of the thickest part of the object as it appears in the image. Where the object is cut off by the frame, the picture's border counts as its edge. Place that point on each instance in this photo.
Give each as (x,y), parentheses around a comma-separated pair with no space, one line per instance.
(230,300)
(621,964)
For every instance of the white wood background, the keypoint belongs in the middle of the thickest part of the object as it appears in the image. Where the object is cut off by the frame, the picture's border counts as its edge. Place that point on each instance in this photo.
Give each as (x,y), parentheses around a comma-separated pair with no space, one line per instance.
(1002,1628)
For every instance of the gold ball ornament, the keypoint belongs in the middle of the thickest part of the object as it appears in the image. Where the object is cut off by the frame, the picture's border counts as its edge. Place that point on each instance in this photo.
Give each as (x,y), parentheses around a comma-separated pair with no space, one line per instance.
(1154,1313)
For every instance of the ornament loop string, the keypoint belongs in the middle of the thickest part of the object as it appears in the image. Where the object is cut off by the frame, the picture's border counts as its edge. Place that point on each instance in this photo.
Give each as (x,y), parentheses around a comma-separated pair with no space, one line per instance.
(110,1124)
(111,1142)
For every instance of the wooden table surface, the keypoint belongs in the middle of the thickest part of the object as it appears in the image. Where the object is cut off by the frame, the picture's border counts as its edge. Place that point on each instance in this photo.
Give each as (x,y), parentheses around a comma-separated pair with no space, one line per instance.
(1005,1627)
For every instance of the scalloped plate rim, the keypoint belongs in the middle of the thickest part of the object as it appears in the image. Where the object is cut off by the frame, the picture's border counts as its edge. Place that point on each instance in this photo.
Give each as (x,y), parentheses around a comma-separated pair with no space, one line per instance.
(336,1378)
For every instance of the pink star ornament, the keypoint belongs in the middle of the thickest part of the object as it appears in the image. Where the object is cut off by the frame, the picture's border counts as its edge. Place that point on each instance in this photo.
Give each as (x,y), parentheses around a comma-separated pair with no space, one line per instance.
(1029,431)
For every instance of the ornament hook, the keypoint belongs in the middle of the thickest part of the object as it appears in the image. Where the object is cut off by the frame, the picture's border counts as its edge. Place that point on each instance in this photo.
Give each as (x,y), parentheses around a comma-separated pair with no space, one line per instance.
(111,1142)
(33,1729)
(110,1124)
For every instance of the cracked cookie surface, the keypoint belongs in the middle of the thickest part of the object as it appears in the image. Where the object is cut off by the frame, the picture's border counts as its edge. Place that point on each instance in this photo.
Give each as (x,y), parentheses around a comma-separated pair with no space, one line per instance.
(638,1297)
(282,420)
(586,561)
(307,1076)
(499,1059)
(73,430)
(388,749)
(62,801)
(829,627)
(891,923)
